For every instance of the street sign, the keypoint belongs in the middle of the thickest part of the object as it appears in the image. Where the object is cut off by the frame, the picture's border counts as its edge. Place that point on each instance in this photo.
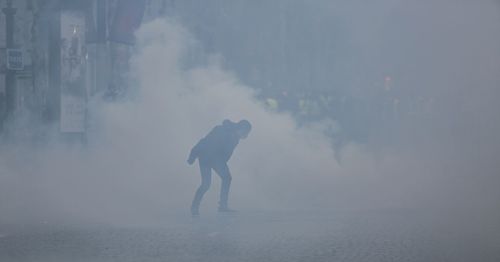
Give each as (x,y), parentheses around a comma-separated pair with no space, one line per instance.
(15,59)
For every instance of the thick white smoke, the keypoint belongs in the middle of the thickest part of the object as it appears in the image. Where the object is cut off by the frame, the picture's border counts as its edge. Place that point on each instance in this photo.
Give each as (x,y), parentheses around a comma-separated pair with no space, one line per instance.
(134,168)
(135,164)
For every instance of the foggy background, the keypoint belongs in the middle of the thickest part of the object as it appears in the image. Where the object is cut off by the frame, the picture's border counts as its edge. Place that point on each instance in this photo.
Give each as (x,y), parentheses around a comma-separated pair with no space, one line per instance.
(185,80)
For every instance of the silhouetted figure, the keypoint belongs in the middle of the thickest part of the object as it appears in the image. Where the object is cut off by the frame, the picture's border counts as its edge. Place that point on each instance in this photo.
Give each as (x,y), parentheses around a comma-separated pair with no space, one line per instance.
(213,151)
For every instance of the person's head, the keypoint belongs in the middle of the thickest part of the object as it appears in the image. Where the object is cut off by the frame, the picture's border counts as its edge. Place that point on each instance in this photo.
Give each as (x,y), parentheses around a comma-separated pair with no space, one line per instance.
(243,128)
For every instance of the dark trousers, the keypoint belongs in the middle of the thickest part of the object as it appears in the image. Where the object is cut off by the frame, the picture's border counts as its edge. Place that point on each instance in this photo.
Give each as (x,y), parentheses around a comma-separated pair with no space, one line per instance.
(206,179)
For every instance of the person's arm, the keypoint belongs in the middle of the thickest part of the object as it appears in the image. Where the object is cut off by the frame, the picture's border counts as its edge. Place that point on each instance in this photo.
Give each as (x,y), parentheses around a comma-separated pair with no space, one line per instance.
(193,154)
(208,143)
(195,151)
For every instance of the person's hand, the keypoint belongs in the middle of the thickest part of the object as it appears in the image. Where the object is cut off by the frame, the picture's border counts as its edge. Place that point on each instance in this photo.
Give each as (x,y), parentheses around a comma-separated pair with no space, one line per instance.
(190,161)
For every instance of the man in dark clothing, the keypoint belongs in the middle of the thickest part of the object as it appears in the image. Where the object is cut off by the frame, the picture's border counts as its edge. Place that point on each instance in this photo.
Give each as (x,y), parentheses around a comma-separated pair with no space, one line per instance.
(213,151)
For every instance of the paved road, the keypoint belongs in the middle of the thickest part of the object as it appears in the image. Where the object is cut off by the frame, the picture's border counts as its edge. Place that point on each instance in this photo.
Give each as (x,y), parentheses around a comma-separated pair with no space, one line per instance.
(256,236)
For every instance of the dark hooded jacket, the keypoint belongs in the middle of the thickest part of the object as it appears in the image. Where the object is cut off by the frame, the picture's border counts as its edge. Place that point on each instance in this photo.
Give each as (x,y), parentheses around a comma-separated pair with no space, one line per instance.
(218,145)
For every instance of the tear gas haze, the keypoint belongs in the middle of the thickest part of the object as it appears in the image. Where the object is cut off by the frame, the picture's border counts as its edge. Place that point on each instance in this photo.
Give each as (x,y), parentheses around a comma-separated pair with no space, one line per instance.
(440,60)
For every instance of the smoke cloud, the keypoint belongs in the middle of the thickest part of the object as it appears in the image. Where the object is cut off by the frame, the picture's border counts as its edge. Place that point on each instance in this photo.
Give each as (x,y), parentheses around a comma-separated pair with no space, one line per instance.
(134,168)
(135,165)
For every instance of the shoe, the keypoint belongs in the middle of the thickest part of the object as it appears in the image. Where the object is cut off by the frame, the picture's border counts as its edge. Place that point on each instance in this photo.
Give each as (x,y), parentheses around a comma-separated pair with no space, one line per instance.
(225,209)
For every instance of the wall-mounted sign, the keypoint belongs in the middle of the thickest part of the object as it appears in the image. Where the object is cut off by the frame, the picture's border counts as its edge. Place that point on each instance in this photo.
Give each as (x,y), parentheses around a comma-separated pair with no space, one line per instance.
(15,59)
(73,114)
(73,72)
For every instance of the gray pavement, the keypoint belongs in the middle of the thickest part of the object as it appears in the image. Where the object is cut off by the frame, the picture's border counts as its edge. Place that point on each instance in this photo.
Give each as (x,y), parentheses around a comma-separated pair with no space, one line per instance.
(387,235)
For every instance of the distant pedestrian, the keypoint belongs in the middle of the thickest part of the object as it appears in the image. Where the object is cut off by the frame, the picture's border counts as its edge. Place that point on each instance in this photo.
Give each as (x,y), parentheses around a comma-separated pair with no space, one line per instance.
(213,151)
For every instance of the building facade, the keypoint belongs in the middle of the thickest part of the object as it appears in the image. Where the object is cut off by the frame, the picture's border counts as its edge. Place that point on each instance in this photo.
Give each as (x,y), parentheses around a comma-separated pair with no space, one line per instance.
(55,55)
